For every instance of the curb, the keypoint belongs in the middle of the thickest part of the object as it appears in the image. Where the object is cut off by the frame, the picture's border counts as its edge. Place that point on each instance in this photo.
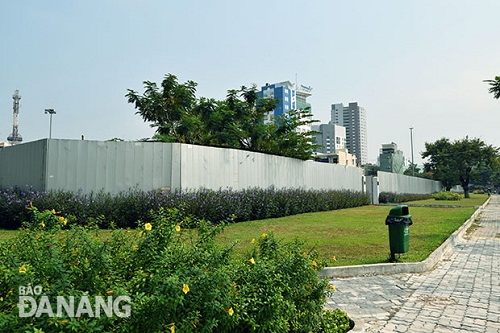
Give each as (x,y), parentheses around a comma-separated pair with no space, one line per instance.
(397,268)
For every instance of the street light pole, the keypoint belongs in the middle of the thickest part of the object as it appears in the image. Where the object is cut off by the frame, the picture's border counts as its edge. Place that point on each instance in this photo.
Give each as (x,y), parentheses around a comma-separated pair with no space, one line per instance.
(412,163)
(50,112)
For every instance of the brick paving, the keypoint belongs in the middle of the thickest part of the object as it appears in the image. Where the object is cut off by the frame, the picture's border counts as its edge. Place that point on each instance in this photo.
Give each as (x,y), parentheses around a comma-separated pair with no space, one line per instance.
(461,294)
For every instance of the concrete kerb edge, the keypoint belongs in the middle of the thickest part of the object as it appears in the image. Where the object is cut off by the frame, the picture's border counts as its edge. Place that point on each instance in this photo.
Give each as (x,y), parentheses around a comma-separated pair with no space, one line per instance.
(397,268)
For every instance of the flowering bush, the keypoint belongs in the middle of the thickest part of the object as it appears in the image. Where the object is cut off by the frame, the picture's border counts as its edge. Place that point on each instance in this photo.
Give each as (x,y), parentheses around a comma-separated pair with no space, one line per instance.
(126,208)
(174,280)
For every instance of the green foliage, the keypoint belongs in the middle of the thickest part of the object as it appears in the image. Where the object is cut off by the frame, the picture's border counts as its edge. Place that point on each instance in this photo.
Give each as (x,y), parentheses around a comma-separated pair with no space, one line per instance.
(371,169)
(177,279)
(389,197)
(415,171)
(446,195)
(126,208)
(494,87)
(335,321)
(236,122)
(456,162)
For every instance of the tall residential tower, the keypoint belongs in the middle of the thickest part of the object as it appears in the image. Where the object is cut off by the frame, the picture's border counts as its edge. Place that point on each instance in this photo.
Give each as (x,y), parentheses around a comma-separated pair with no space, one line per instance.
(353,118)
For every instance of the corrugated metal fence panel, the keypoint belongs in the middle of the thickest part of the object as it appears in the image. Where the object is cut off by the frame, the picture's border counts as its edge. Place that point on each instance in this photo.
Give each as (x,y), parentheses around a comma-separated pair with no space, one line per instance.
(23,164)
(92,166)
(75,165)
(215,168)
(397,183)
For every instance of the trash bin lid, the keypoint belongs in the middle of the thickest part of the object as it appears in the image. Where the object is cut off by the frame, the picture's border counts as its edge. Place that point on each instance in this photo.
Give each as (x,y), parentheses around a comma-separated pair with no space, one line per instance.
(399,220)
(400,210)
(399,215)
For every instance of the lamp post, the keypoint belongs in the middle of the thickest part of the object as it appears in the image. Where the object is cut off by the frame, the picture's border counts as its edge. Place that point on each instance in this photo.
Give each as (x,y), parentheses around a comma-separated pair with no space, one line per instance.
(412,163)
(50,112)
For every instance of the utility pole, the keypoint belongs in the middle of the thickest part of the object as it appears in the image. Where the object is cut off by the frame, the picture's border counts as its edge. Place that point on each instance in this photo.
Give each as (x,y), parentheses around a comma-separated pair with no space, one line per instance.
(412,162)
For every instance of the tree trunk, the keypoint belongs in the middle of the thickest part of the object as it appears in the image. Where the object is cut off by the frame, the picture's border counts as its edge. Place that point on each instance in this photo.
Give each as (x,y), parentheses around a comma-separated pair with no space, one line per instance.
(464,181)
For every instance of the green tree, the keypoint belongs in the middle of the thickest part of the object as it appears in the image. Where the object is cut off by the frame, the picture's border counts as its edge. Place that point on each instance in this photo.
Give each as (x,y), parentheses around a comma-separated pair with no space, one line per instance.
(371,169)
(168,108)
(440,163)
(454,163)
(414,170)
(487,175)
(235,122)
(495,87)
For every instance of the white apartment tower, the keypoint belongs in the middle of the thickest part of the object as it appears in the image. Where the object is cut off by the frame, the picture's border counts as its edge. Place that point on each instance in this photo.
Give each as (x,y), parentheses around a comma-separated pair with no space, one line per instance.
(353,118)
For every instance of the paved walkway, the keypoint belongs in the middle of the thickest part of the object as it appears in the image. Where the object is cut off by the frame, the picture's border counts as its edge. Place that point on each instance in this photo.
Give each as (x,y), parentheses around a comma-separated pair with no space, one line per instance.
(461,294)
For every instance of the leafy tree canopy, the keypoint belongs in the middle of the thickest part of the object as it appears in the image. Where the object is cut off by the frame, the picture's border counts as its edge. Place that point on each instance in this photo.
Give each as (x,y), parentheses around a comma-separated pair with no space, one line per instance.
(455,163)
(235,122)
(494,87)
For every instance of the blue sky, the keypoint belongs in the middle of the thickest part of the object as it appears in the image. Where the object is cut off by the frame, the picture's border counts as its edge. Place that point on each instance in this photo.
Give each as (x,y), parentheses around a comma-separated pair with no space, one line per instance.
(408,63)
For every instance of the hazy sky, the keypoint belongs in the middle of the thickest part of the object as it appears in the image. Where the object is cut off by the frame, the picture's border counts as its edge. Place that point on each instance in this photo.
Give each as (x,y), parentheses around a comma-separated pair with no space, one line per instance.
(408,63)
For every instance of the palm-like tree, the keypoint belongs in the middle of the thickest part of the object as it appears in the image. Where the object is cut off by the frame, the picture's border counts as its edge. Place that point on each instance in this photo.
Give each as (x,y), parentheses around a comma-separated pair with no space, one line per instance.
(495,87)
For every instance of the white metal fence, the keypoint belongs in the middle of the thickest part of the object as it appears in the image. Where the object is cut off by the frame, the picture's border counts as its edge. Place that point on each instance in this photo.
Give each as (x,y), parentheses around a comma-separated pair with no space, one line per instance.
(91,166)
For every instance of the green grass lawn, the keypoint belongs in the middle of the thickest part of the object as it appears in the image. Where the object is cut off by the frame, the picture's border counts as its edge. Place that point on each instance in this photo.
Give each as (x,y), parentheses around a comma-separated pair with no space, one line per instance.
(354,236)
(357,235)
(475,200)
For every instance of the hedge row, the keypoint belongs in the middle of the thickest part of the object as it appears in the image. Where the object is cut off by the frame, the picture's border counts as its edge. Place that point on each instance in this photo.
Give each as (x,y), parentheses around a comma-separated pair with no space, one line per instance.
(388,197)
(125,209)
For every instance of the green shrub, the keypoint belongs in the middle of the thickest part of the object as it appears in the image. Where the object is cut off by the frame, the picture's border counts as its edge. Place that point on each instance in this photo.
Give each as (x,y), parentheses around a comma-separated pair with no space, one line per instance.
(389,197)
(445,195)
(176,279)
(126,208)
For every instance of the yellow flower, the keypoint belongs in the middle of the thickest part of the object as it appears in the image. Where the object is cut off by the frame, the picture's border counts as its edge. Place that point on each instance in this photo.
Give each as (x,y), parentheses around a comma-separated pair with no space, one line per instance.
(314,263)
(185,288)
(333,259)
(172,328)
(63,220)
(22,269)
(42,224)
(230,311)
(264,235)
(332,288)
(252,241)
(178,228)
(148,226)
(140,233)
(53,211)
(251,260)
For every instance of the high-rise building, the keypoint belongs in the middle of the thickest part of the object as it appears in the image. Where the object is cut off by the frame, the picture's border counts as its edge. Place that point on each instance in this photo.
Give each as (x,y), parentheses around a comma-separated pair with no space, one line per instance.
(289,98)
(330,137)
(391,159)
(353,118)
(284,92)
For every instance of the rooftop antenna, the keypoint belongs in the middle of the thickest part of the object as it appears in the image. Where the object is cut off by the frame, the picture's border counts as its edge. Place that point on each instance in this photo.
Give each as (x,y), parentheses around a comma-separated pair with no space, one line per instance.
(15,137)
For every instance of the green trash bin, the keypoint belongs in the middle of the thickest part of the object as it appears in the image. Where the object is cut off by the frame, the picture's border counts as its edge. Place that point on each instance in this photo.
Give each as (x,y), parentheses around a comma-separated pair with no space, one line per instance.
(399,221)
